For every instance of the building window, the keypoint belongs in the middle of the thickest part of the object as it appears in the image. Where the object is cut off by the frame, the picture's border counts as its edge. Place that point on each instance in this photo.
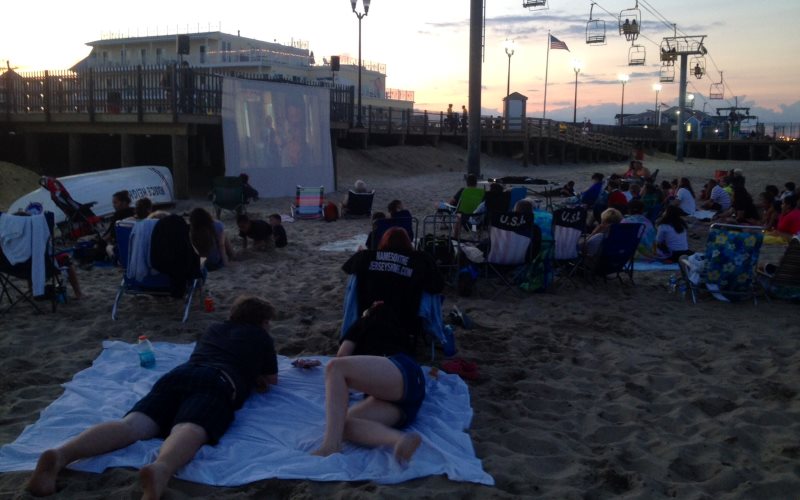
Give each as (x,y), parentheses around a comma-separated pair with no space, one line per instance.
(143,55)
(158,56)
(202,54)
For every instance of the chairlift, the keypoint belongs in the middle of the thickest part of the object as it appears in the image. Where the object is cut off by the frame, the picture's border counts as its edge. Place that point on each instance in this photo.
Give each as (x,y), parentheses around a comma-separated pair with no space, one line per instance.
(667,73)
(595,30)
(630,21)
(669,52)
(636,55)
(717,90)
(698,66)
(535,4)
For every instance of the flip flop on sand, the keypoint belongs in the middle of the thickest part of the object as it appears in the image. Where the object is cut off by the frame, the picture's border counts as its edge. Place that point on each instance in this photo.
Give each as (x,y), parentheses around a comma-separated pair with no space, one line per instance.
(464,369)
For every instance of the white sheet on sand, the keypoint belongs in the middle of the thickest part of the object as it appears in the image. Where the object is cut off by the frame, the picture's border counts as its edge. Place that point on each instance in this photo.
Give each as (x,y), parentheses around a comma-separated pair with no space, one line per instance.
(349,245)
(272,436)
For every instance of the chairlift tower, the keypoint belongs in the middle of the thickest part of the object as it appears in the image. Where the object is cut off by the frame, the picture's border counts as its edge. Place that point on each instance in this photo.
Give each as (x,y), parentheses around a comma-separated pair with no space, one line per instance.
(681,47)
(734,116)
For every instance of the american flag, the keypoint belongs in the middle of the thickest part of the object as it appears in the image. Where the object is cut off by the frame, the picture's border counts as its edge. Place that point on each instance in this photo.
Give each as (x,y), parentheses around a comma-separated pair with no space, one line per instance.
(556,44)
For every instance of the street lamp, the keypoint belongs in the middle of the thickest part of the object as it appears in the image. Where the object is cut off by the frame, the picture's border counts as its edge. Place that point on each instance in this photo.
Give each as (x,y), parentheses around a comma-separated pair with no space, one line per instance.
(690,97)
(576,67)
(360,16)
(623,79)
(657,87)
(509,47)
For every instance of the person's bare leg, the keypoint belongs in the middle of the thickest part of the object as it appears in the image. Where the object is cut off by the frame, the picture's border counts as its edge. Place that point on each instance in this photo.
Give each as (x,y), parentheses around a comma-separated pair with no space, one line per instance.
(370,422)
(373,375)
(178,449)
(95,440)
(72,276)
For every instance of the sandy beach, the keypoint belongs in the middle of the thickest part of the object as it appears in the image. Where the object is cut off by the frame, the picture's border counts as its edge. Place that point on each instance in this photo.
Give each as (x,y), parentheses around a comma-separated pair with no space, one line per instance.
(587,392)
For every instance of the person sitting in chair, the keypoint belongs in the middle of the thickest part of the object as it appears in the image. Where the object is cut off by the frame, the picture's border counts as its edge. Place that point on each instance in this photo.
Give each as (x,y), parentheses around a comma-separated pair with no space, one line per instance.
(594,242)
(190,406)
(359,187)
(250,193)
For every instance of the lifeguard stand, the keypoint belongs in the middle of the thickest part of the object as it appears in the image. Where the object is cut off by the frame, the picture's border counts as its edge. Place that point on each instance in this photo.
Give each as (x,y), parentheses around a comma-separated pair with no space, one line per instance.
(595,29)
(514,111)
(630,22)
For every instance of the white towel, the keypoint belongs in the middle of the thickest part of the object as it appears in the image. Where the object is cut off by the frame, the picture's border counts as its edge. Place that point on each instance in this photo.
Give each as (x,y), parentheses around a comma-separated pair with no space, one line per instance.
(23,238)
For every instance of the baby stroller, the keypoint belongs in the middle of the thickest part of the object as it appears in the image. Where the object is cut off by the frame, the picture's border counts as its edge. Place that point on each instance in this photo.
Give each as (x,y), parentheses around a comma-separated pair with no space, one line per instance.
(80,220)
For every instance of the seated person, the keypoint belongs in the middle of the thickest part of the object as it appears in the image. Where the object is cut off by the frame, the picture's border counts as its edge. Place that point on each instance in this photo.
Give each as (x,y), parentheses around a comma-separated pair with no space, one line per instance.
(594,242)
(250,193)
(567,189)
(395,386)
(616,198)
(121,201)
(589,197)
(257,230)
(641,171)
(744,211)
(190,406)
(788,220)
(718,199)
(208,238)
(371,237)
(672,238)
(359,187)
(472,181)
(647,245)
(278,232)
(631,172)
(684,197)
(398,211)
(769,216)
(789,190)
(144,207)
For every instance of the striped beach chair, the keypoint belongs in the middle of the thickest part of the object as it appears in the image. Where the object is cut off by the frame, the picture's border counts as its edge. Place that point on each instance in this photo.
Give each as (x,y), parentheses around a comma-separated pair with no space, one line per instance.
(308,203)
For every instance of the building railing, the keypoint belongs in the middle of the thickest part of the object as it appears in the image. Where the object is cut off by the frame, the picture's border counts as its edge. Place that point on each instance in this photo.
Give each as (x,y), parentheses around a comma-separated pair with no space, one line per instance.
(399,95)
(138,90)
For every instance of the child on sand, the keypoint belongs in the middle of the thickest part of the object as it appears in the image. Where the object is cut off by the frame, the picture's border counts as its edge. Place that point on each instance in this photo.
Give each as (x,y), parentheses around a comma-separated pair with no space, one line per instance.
(278,232)
(257,230)
(192,405)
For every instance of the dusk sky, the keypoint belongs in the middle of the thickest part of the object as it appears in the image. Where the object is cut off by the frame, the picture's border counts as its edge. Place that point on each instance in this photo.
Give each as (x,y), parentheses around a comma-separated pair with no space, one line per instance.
(425,46)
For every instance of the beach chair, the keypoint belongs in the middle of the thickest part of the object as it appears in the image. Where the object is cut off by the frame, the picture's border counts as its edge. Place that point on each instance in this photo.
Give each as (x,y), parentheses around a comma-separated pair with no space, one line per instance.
(513,241)
(730,260)
(80,219)
(23,271)
(469,200)
(438,239)
(783,281)
(410,224)
(358,204)
(616,254)
(308,203)
(154,284)
(227,193)
(516,194)
(569,224)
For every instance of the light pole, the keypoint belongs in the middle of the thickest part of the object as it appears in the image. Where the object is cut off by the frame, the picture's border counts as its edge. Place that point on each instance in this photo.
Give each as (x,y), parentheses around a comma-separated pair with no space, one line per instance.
(657,87)
(360,16)
(576,67)
(509,47)
(623,80)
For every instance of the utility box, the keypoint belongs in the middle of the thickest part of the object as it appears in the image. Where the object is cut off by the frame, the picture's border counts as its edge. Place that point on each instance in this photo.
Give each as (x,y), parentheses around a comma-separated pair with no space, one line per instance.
(514,109)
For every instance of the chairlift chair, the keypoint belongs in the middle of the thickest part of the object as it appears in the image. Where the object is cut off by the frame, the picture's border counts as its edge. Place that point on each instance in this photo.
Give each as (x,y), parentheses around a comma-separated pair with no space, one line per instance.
(636,55)
(630,21)
(698,66)
(717,90)
(667,73)
(669,53)
(535,4)
(595,30)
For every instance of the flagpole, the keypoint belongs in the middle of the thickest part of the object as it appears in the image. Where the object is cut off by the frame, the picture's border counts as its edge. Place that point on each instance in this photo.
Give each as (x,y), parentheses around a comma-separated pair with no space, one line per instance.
(546,69)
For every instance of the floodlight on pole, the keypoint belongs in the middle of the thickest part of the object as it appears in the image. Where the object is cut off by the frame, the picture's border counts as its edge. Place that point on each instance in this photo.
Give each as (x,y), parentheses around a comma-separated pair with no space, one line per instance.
(623,79)
(509,48)
(360,16)
(576,67)
(657,110)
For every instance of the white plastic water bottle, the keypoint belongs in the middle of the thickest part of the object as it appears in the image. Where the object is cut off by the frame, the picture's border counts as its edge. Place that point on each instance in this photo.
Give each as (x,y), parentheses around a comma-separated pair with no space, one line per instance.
(673,281)
(147,357)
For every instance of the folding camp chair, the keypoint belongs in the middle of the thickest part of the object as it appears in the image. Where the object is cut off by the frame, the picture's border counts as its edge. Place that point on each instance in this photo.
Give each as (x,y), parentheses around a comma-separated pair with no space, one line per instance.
(516,194)
(617,252)
(23,271)
(513,237)
(438,239)
(308,203)
(410,224)
(569,223)
(155,284)
(80,219)
(469,200)
(358,204)
(783,281)
(227,193)
(730,260)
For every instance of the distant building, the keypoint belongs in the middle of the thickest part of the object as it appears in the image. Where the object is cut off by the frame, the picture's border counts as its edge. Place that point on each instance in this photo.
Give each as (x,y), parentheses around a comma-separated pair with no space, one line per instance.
(237,55)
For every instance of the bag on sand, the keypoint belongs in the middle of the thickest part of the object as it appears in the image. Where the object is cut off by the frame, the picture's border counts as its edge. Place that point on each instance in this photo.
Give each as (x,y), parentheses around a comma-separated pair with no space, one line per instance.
(330,212)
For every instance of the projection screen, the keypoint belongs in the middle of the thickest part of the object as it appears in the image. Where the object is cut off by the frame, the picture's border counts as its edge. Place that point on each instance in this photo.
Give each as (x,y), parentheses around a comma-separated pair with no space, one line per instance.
(278,134)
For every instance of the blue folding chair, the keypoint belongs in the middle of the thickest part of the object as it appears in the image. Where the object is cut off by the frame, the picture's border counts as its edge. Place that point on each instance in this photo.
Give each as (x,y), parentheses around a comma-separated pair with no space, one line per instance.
(617,253)
(516,194)
(155,284)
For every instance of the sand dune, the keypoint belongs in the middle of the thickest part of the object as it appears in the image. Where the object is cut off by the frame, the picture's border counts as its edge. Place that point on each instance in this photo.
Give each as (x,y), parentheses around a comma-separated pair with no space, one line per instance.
(589,392)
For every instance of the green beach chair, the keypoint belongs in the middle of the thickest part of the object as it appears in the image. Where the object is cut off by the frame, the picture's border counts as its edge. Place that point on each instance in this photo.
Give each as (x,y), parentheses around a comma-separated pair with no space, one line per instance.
(227,193)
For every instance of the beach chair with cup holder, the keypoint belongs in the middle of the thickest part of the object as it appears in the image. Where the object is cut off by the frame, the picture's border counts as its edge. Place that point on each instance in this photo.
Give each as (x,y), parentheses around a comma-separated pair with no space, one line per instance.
(783,281)
(438,239)
(153,283)
(467,206)
(569,224)
(80,220)
(14,278)
(728,271)
(308,202)
(616,253)
(410,224)
(227,193)
(358,204)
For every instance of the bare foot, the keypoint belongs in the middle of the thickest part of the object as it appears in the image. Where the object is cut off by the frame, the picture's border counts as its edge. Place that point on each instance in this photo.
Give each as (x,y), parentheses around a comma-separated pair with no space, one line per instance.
(154,479)
(324,451)
(43,480)
(405,448)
